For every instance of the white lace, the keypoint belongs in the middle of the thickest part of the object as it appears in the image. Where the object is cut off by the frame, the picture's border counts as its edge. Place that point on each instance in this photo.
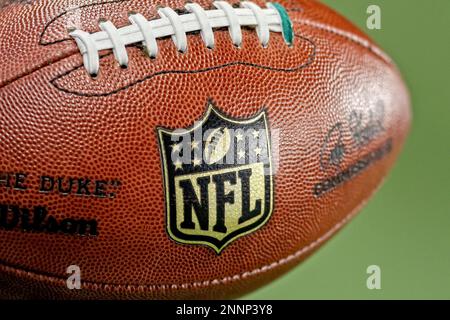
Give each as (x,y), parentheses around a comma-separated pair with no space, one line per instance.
(176,26)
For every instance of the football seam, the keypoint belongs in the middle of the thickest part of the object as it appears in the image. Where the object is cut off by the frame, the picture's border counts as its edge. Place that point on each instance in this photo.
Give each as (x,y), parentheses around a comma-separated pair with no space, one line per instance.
(42,42)
(377,51)
(198,284)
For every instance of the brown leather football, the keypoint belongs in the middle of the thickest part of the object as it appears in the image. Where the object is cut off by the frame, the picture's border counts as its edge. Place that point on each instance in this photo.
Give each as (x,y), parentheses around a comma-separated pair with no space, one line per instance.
(165,149)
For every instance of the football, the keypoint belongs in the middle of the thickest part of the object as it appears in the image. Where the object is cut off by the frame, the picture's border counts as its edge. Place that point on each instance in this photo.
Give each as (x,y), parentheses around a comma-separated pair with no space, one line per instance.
(217,145)
(183,150)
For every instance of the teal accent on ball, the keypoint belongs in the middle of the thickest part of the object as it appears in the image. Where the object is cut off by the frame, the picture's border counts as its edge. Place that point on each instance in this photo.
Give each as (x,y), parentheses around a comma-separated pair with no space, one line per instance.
(286,23)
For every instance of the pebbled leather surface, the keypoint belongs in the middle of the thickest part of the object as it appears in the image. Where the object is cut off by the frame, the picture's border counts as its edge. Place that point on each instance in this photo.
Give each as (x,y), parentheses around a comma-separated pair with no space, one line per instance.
(55,120)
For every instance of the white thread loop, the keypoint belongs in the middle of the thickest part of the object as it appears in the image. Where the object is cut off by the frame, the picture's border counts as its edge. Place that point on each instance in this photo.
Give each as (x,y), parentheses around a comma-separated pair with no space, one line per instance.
(206,31)
(171,24)
(179,37)
(262,29)
(150,43)
(91,59)
(233,20)
(119,50)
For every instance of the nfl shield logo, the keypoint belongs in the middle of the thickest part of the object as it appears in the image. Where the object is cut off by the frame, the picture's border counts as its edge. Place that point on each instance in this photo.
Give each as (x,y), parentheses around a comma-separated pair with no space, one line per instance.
(217,178)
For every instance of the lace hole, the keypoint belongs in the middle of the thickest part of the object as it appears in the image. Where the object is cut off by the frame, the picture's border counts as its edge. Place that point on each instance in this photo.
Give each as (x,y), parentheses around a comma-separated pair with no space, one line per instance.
(124,66)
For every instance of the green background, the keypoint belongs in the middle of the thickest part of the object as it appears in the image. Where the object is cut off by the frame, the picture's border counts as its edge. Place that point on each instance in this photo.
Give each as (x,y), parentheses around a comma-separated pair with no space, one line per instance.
(405,228)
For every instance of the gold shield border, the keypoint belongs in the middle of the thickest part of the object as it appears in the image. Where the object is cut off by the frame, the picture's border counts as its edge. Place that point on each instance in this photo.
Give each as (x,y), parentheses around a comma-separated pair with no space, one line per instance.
(212,108)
